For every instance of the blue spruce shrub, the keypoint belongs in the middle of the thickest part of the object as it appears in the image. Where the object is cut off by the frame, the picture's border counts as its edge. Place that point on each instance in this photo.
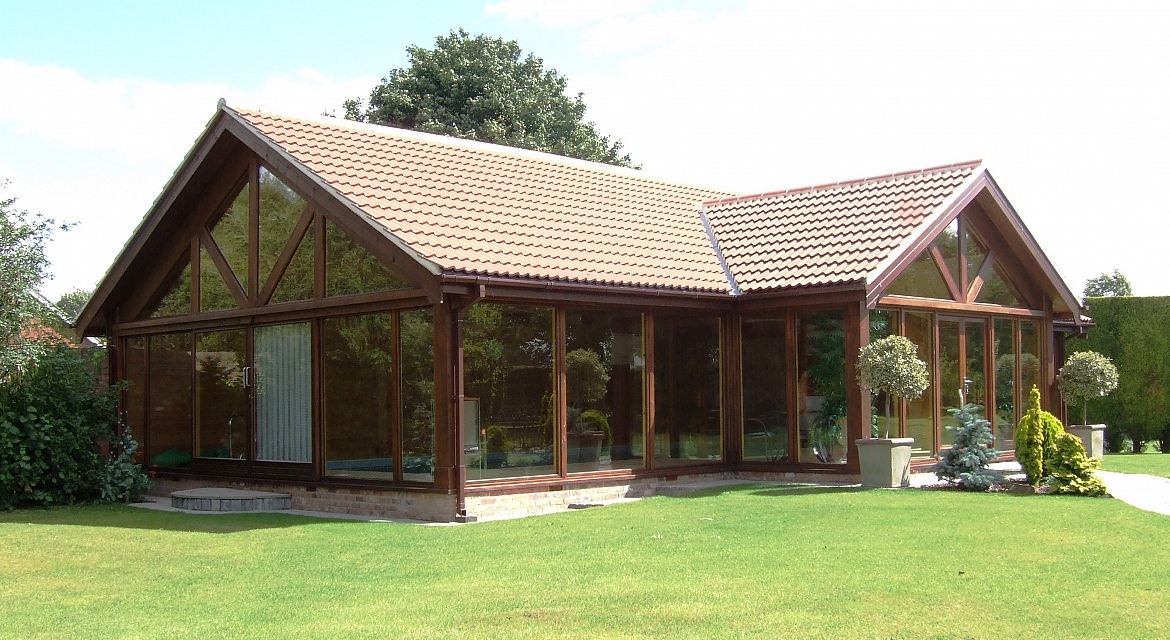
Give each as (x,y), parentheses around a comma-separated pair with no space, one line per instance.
(966,462)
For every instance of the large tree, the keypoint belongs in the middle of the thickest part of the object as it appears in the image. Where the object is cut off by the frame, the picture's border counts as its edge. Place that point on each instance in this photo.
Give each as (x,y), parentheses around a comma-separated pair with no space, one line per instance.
(1108,285)
(23,267)
(485,89)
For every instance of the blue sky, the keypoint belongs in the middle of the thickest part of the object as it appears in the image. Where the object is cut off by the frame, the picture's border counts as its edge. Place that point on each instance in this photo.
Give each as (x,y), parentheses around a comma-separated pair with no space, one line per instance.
(1066,103)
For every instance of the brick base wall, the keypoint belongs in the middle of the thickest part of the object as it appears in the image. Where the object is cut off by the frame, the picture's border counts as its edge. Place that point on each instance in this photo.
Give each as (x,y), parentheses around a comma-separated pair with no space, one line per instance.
(432,507)
(493,504)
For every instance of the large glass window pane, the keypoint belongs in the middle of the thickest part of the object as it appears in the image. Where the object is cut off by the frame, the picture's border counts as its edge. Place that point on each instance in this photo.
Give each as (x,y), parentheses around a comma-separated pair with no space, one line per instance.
(950,367)
(604,369)
(764,358)
(1005,384)
(920,412)
(883,323)
(823,410)
(998,290)
(177,299)
(358,380)
(508,385)
(280,210)
(221,401)
(418,395)
(284,393)
(975,380)
(976,253)
(297,281)
(1029,361)
(948,245)
(213,290)
(687,422)
(171,365)
(134,397)
(921,279)
(231,236)
(349,268)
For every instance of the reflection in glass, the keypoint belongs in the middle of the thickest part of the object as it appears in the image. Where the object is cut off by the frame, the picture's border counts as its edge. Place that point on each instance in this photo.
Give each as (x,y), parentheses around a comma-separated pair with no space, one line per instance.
(687,423)
(975,371)
(920,412)
(603,372)
(418,394)
(134,397)
(358,378)
(280,210)
(297,281)
(764,358)
(350,268)
(823,410)
(922,279)
(1005,384)
(998,290)
(1029,361)
(948,245)
(230,233)
(882,324)
(284,393)
(221,401)
(951,373)
(213,291)
(976,253)
(169,437)
(177,300)
(508,379)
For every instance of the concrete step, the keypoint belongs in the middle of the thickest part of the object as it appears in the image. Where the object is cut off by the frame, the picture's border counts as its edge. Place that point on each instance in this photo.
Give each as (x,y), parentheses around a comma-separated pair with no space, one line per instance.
(224,499)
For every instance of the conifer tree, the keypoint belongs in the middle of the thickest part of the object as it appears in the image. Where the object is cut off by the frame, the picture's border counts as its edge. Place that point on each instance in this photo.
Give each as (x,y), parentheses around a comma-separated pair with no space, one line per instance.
(966,462)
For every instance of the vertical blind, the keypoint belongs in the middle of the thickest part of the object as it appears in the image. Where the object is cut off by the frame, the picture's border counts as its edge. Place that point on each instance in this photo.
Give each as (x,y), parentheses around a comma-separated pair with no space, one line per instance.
(284,393)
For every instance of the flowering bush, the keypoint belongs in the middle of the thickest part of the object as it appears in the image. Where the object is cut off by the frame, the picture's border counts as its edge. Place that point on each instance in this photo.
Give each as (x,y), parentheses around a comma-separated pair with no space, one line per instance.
(891,365)
(1086,375)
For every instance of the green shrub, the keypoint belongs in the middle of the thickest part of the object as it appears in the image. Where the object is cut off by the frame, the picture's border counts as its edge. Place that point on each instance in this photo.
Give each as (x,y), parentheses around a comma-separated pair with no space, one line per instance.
(966,462)
(1036,439)
(52,418)
(1071,471)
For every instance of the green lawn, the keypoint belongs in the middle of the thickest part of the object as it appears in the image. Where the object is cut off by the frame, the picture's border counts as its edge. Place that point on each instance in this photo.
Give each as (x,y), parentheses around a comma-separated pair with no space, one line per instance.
(1155,464)
(748,562)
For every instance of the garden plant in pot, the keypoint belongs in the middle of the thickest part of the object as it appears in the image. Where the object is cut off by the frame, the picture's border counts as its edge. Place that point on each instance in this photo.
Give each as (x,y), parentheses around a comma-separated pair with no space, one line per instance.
(890,366)
(588,428)
(1087,375)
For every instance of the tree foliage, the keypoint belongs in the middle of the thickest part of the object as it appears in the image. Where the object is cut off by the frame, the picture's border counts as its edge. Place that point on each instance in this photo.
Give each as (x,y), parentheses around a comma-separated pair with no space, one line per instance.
(1071,470)
(1108,285)
(23,268)
(1085,375)
(967,462)
(485,89)
(1135,333)
(73,302)
(891,365)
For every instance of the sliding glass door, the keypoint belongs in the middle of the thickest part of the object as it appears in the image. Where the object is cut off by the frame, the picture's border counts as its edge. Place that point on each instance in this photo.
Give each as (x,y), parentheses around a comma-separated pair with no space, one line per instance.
(962,368)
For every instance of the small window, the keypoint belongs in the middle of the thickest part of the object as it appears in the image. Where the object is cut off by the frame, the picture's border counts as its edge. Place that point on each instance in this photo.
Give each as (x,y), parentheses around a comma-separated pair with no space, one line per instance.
(921,279)
(350,268)
(296,283)
(214,294)
(177,300)
(998,290)
(230,233)
(280,211)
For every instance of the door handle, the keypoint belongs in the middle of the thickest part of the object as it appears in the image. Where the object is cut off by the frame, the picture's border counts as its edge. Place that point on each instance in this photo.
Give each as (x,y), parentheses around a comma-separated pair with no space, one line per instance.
(246,375)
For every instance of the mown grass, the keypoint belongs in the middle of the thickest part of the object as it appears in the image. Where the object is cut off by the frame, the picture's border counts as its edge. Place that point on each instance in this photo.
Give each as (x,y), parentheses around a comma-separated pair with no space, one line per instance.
(1154,464)
(741,562)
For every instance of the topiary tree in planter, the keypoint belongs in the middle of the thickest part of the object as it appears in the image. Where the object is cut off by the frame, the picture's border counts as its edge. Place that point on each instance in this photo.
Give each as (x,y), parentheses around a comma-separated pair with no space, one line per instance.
(891,365)
(1087,375)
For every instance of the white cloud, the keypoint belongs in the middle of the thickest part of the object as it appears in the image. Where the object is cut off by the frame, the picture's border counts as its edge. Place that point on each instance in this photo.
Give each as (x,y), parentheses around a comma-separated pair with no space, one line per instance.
(564,12)
(98,152)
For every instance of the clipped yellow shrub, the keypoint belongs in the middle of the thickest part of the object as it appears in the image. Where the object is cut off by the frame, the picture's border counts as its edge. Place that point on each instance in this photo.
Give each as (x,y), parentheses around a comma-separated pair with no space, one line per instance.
(1071,471)
(1036,439)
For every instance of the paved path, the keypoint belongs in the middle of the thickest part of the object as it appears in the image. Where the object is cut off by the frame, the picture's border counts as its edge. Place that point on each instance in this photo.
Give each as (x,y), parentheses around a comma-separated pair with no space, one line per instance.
(1150,493)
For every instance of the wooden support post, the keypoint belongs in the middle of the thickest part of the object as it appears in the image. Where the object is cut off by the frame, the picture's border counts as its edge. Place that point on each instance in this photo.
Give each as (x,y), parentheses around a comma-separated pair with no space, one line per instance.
(732,410)
(448,443)
(856,400)
(651,408)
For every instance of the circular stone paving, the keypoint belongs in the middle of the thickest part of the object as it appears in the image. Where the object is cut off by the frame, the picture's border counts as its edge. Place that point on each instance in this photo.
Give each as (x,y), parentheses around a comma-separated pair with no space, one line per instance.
(224,499)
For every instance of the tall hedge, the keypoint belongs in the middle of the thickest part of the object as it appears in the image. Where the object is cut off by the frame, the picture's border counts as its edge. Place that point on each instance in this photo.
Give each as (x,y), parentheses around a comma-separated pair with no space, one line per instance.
(1135,333)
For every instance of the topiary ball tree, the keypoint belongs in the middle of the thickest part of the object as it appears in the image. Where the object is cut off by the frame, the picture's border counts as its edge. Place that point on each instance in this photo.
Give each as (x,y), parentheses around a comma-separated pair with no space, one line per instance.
(1087,375)
(891,365)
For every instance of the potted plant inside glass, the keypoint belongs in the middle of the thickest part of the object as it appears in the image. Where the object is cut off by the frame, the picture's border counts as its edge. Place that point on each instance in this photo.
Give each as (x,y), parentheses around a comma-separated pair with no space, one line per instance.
(586,381)
(1086,375)
(890,366)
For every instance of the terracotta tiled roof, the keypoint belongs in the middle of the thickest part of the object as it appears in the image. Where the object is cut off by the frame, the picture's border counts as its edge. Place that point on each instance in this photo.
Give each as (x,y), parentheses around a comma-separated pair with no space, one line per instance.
(830,234)
(485,209)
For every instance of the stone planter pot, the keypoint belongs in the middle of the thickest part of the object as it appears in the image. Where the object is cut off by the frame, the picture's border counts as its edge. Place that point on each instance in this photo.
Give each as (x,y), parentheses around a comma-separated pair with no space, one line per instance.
(585,447)
(1092,436)
(885,462)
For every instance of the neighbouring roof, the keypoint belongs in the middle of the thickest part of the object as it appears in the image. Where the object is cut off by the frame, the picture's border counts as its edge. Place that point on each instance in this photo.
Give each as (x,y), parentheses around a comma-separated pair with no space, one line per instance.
(485,209)
(829,234)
